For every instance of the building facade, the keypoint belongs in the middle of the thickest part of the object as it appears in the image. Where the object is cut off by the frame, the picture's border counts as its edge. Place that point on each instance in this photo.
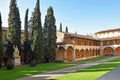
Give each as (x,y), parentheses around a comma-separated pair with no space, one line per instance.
(74,47)
(110,41)
(4,33)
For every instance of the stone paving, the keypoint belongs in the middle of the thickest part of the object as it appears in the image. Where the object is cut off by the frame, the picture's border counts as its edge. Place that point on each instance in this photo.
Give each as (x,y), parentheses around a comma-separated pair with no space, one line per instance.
(56,73)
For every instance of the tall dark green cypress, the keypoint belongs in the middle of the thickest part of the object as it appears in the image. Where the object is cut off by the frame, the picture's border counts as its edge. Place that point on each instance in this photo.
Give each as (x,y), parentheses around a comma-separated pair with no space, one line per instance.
(26,41)
(66,30)
(50,35)
(37,38)
(14,28)
(60,27)
(1,42)
(26,26)
(18,31)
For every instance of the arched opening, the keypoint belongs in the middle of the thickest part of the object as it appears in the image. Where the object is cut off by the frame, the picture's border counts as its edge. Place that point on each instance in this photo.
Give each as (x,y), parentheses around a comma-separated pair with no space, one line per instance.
(93,52)
(77,54)
(117,51)
(82,52)
(69,54)
(108,51)
(98,52)
(90,52)
(60,55)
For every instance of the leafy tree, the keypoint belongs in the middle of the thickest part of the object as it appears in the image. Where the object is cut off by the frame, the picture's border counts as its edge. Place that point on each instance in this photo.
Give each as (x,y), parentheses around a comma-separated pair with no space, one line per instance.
(50,35)
(60,27)
(66,30)
(1,42)
(37,38)
(14,27)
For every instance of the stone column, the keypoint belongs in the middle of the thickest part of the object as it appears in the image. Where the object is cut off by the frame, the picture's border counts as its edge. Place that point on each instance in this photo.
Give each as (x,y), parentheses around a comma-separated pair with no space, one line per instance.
(73,56)
(65,60)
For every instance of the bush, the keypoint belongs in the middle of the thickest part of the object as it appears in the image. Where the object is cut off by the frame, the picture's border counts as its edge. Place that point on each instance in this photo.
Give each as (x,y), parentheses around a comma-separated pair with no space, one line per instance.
(33,63)
(59,61)
(0,65)
(10,66)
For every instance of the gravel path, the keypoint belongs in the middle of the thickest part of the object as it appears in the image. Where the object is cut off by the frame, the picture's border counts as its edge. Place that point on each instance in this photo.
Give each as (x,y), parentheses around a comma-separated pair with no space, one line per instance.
(56,73)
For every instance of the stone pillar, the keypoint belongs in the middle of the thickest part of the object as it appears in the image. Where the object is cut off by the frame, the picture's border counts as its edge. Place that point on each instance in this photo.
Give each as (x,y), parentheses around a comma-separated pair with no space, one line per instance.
(101,46)
(65,60)
(73,56)
(114,42)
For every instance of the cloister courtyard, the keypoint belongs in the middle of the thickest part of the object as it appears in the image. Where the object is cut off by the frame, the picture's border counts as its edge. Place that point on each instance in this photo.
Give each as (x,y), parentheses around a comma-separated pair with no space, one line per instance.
(37,48)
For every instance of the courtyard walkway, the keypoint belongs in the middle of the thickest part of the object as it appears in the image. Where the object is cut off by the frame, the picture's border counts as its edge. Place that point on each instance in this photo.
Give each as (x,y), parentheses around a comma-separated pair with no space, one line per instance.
(56,73)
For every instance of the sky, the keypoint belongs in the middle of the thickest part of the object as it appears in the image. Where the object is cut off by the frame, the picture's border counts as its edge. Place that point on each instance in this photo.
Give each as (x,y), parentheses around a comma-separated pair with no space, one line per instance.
(81,16)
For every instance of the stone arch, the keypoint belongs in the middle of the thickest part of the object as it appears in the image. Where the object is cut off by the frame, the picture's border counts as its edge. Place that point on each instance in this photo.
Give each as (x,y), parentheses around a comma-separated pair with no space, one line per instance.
(107,50)
(77,55)
(117,51)
(86,53)
(69,55)
(60,55)
(82,52)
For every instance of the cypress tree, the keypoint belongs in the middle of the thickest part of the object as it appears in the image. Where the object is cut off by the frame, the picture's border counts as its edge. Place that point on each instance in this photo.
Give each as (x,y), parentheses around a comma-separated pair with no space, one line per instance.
(1,42)
(26,26)
(30,26)
(30,22)
(37,38)
(26,43)
(60,27)
(14,28)
(66,30)
(18,31)
(50,35)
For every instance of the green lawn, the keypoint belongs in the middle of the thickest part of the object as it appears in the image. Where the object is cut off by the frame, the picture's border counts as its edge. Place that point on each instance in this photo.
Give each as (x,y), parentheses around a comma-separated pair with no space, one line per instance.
(91,73)
(26,70)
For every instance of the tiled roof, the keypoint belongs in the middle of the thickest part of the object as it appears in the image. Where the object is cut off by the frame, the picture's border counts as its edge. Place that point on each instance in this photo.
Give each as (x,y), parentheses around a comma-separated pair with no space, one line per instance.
(79,36)
(109,30)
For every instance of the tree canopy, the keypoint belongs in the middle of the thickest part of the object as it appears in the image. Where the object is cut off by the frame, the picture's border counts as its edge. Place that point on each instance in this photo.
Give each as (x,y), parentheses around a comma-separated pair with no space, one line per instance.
(50,35)
(37,38)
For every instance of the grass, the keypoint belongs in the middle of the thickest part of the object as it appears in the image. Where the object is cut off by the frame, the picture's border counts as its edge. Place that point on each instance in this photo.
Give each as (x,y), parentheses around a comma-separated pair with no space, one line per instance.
(91,73)
(26,70)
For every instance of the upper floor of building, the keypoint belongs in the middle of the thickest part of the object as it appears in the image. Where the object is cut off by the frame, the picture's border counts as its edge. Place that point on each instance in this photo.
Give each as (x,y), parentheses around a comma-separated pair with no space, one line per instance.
(108,34)
(77,39)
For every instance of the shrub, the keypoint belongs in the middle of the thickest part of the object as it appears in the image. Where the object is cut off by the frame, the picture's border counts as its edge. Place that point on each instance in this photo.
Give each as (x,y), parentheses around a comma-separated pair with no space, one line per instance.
(10,66)
(0,65)
(33,63)
(59,61)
